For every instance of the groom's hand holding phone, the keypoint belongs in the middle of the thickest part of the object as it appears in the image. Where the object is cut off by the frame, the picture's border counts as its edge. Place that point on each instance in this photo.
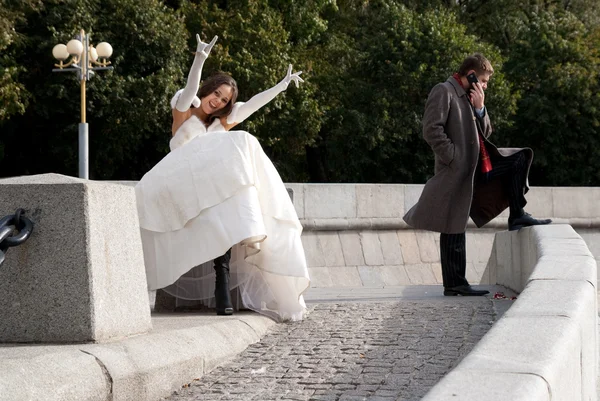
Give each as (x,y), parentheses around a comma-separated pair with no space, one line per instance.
(476,93)
(472,78)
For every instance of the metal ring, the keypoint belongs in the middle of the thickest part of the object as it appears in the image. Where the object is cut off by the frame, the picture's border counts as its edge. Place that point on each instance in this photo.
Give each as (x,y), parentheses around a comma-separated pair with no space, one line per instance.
(18,214)
(5,232)
(7,220)
(22,236)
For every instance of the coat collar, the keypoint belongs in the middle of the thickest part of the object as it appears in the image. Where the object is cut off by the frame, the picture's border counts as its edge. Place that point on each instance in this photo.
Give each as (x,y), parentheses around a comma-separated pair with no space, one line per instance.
(459,89)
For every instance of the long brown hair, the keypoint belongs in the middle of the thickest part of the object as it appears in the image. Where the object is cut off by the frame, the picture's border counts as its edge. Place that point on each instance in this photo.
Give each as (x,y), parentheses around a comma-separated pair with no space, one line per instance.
(211,84)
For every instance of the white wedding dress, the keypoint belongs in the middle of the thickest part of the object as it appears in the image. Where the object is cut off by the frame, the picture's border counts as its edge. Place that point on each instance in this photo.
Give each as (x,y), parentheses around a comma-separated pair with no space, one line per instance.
(213,191)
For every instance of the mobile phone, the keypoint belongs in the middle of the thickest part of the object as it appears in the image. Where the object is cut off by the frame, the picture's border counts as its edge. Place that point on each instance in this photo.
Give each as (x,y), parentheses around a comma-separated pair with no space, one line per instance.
(472,78)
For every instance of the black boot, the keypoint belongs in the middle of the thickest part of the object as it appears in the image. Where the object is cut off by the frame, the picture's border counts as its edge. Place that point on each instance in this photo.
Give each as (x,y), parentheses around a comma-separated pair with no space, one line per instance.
(222,294)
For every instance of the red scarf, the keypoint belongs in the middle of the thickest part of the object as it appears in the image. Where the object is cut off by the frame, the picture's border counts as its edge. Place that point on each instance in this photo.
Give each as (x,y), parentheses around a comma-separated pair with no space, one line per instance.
(484,156)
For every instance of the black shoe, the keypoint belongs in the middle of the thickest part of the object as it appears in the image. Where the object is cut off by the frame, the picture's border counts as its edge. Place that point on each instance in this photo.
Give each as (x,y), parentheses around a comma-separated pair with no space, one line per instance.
(464,290)
(525,221)
(222,294)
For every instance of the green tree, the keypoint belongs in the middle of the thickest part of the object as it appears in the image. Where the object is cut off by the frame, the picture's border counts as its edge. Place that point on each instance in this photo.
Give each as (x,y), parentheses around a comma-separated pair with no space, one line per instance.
(554,66)
(13,95)
(394,56)
(501,22)
(127,108)
(258,39)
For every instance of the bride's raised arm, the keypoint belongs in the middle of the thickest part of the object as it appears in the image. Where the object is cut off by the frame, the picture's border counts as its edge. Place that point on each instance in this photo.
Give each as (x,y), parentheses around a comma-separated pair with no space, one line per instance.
(186,97)
(242,110)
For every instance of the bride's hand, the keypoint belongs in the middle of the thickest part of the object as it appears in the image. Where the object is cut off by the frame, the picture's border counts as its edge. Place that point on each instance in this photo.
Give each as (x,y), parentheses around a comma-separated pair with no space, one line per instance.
(292,77)
(205,48)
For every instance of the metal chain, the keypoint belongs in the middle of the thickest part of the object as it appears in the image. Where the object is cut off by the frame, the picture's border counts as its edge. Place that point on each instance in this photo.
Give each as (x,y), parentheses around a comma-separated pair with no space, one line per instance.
(14,230)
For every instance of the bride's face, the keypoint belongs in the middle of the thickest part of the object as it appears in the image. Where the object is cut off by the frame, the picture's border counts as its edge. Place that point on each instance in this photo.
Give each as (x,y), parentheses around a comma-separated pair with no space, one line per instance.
(216,100)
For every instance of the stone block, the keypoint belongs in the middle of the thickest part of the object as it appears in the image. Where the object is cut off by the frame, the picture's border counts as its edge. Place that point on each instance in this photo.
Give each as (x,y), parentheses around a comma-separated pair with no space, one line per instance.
(546,346)
(412,193)
(371,276)
(420,274)
(312,249)
(380,200)
(491,268)
(345,276)
(394,275)
(525,244)
(151,367)
(332,248)
(539,202)
(428,249)
(479,246)
(468,385)
(563,231)
(573,202)
(483,273)
(352,248)
(564,267)
(592,240)
(476,273)
(409,246)
(390,246)
(52,373)
(298,199)
(371,248)
(319,277)
(327,201)
(559,246)
(508,265)
(580,307)
(80,277)
(436,268)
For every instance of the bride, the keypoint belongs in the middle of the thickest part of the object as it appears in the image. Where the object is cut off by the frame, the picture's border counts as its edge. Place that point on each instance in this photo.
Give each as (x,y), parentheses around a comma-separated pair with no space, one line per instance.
(214,213)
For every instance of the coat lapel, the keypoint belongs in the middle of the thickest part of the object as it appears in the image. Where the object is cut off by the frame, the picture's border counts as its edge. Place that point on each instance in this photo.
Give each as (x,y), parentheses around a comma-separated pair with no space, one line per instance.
(459,89)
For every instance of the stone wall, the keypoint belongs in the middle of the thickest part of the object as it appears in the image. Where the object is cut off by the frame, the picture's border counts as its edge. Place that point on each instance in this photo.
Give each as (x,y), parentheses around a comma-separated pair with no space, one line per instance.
(354,234)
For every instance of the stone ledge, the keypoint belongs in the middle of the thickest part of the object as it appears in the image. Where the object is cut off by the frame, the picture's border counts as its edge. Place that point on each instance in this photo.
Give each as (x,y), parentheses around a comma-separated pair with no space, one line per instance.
(545,347)
(180,348)
(390,223)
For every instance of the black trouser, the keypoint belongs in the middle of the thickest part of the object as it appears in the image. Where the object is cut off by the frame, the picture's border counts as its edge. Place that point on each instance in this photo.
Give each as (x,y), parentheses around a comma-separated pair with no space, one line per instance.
(453,255)
(512,170)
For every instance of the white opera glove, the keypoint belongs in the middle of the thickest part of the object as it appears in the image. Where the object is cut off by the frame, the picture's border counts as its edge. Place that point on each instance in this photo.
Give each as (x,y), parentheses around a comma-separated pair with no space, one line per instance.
(192,85)
(242,111)
(195,100)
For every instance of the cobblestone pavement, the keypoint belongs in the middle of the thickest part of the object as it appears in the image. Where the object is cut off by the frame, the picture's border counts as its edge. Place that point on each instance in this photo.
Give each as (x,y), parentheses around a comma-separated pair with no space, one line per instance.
(394,350)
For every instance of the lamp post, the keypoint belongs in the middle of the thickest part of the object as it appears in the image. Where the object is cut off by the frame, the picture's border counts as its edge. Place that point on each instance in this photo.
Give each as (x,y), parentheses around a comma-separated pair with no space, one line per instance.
(85,59)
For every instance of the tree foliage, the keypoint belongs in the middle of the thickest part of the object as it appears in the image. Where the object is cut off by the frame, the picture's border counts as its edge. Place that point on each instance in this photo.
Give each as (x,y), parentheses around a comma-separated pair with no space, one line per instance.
(368,65)
(554,67)
(127,109)
(388,57)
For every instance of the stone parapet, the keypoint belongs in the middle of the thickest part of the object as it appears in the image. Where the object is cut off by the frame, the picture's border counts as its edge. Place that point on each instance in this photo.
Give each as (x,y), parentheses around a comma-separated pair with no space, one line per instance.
(349,227)
(390,223)
(545,347)
(350,201)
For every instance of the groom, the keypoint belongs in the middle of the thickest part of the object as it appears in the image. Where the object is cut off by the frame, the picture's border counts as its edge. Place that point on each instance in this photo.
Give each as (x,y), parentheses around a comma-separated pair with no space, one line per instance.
(472,177)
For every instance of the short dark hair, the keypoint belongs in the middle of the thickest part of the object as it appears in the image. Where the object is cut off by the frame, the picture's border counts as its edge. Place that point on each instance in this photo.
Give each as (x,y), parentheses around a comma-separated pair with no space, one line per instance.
(476,62)
(211,84)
